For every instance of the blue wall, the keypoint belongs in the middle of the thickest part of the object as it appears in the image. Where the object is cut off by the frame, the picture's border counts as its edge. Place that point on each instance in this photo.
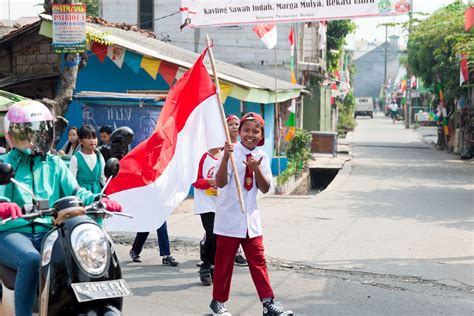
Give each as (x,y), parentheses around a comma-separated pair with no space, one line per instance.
(107,77)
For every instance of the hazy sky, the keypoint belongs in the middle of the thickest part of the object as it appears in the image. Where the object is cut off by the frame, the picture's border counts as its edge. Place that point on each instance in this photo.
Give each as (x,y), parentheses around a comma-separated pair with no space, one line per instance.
(367,27)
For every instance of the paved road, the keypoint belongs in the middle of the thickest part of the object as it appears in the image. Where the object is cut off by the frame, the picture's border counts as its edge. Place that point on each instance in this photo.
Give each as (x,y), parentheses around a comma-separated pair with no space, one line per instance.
(391,235)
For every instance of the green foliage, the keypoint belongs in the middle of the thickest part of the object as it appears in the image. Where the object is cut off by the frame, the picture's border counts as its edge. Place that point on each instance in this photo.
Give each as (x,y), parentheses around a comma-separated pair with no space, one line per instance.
(336,39)
(298,153)
(299,147)
(434,46)
(346,120)
(92,7)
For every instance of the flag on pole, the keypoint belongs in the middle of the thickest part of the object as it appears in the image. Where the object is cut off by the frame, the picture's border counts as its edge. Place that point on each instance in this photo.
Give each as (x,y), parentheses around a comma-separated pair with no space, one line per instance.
(267,33)
(291,121)
(443,108)
(291,39)
(464,70)
(156,175)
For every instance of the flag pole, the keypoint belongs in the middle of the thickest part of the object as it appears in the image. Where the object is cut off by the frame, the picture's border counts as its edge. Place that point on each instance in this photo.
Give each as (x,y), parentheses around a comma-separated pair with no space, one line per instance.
(226,129)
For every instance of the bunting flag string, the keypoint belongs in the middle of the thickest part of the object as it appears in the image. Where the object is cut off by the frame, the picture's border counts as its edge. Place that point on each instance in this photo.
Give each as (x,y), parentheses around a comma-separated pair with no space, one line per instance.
(168,72)
(100,50)
(116,55)
(150,65)
(133,61)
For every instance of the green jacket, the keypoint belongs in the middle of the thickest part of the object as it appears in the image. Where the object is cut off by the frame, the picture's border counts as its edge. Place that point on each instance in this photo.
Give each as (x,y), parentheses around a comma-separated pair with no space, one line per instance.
(48,177)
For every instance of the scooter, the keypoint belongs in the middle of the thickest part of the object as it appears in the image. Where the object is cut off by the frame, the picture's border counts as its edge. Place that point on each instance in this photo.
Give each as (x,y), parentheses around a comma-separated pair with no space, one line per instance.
(79,271)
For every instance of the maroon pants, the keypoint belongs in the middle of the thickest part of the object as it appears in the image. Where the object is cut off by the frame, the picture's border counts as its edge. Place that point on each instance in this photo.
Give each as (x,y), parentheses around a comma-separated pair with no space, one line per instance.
(224,266)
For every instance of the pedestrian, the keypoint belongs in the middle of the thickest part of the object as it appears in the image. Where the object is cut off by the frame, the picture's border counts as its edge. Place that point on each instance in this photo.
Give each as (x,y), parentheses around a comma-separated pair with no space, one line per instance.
(30,138)
(233,227)
(233,123)
(71,145)
(393,111)
(105,132)
(205,194)
(163,245)
(87,165)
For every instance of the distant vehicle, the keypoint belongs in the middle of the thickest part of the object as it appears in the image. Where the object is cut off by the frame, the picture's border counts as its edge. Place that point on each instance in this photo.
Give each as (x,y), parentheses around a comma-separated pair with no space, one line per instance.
(364,106)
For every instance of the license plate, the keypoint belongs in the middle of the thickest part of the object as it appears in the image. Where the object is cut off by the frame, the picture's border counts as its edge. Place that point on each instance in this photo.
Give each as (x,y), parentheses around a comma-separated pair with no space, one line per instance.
(90,291)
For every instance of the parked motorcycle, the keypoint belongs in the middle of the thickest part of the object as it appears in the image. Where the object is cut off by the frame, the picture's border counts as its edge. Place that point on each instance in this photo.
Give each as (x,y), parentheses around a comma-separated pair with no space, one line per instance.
(79,272)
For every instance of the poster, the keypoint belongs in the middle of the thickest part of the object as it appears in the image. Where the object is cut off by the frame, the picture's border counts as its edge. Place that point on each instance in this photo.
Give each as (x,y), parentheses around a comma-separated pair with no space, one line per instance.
(141,119)
(69,28)
(198,13)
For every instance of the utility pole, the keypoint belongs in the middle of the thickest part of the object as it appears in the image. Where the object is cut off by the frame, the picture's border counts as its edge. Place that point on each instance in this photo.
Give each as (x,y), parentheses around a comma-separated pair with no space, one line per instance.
(407,110)
(385,59)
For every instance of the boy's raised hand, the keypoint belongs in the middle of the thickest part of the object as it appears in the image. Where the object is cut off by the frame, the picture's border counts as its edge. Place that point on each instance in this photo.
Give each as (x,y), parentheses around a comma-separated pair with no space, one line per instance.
(253,163)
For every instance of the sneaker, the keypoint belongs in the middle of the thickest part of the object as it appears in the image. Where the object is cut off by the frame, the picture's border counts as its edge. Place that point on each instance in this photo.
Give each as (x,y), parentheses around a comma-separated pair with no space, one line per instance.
(169,260)
(240,260)
(219,308)
(272,309)
(135,257)
(205,274)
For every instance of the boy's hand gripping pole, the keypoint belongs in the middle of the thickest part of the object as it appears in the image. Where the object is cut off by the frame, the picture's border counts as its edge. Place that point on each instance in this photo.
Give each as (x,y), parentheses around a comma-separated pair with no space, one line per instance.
(224,123)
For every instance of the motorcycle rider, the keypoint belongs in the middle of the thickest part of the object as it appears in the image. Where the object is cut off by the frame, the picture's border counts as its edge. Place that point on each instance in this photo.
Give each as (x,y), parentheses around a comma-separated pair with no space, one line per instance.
(30,134)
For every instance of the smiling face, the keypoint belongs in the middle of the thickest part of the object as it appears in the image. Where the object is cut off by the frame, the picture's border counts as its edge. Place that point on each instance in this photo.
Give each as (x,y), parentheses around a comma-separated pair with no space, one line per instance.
(233,126)
(250,133)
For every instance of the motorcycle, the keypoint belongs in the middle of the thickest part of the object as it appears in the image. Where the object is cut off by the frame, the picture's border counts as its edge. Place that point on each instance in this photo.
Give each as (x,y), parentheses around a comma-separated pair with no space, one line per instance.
(79,270)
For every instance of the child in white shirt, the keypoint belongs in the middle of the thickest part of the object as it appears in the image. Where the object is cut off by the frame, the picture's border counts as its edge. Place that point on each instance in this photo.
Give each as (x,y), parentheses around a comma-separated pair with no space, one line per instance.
(233,227)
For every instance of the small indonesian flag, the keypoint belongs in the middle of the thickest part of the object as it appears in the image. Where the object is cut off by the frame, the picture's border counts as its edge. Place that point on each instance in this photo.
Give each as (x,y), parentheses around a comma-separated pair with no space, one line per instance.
(464,70)
(267,33)
(156,175)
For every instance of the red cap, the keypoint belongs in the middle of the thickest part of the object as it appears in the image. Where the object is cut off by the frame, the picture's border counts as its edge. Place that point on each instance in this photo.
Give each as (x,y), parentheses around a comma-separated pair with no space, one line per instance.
(231,117)
(256,117)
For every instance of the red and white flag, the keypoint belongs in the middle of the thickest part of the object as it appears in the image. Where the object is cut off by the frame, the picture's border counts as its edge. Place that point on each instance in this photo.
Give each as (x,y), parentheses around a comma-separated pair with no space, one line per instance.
(464,70)
(267,33)
(156,175)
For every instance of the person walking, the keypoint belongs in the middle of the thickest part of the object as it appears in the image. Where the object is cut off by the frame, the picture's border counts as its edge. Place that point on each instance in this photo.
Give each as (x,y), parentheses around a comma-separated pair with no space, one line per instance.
(233,227)
(393,111)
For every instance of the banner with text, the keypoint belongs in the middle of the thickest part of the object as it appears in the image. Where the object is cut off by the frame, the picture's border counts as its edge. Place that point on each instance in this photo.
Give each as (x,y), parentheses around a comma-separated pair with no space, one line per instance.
(197,13)
(69,28)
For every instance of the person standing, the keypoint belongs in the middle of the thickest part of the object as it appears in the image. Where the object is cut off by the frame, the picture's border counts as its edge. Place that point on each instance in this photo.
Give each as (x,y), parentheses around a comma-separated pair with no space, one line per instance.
(205,194)
(163,245)
(72,144)
(233,227)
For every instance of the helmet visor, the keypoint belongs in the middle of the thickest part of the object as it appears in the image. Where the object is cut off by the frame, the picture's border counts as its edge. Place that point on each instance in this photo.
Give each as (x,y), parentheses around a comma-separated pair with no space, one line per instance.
(38,136)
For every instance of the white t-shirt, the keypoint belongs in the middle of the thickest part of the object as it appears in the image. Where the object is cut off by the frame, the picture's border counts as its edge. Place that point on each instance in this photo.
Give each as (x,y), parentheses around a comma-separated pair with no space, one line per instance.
(91,160)
(229,220)
(393,107)
(205,199)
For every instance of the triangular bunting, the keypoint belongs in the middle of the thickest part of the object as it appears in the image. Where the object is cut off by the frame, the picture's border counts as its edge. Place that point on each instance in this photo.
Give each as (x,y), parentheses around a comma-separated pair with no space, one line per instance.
(168,71)
(150,65)
(133,61)
(116,54)
(100,50)
(225,91)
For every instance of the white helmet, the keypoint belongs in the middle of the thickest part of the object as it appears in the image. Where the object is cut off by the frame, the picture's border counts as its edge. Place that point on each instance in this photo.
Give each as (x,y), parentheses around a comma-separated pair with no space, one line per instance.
(30,125)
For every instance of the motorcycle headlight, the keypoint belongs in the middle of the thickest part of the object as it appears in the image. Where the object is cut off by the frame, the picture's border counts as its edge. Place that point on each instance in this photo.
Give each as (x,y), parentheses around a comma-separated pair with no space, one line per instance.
(47,249)
(90,248)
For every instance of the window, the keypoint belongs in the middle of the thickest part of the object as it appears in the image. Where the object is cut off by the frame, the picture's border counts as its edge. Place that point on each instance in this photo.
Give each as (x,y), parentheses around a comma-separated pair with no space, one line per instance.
(145,14)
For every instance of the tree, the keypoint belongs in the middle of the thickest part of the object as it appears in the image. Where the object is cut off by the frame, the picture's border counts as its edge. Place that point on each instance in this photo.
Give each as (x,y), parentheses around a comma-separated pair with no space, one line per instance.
(434,47)
(336,39)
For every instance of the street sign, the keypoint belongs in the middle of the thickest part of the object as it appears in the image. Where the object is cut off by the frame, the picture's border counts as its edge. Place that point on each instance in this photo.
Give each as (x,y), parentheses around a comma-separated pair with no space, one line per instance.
(197,13)
(69,28)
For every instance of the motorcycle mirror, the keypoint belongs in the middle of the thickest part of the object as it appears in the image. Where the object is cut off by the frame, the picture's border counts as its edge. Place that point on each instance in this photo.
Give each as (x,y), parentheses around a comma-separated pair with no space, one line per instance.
(6,173)
(112,167)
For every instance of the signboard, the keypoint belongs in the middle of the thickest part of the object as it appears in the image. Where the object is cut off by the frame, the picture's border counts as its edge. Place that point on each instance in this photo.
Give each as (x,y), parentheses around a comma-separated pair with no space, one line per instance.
(141,119)
(197,13)
(69,28)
